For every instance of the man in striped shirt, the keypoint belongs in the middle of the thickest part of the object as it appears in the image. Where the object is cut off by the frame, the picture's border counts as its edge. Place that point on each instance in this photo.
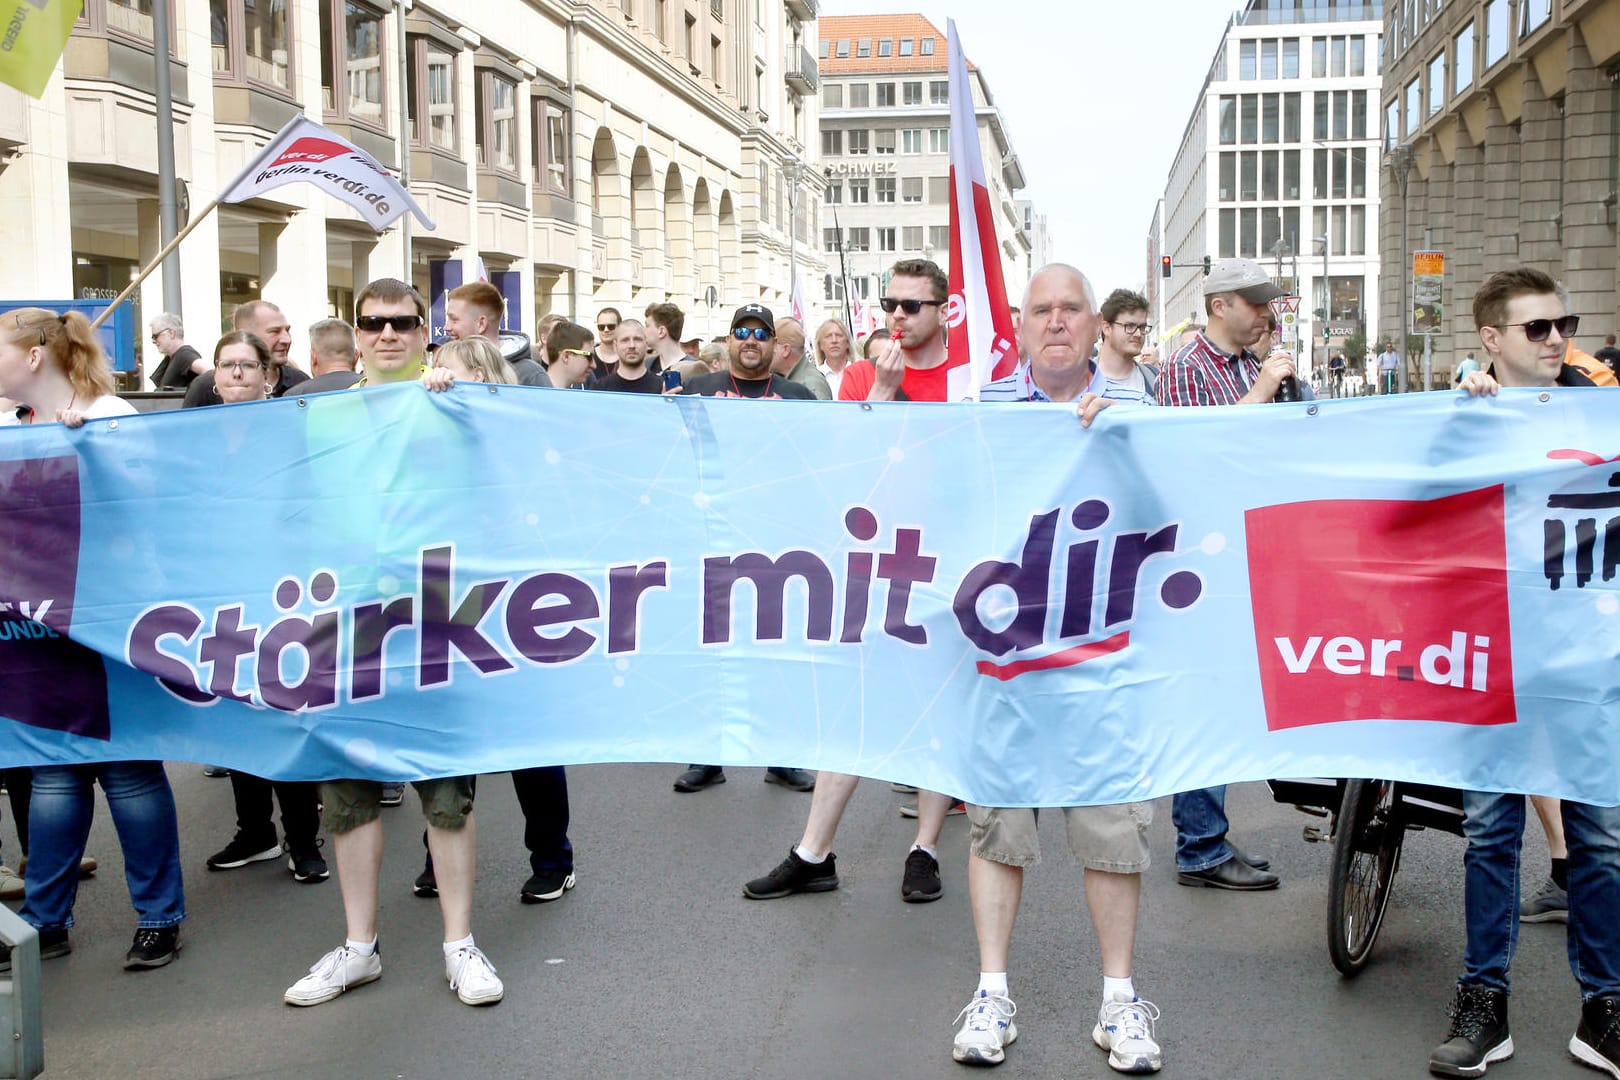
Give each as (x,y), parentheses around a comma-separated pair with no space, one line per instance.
(1218,368)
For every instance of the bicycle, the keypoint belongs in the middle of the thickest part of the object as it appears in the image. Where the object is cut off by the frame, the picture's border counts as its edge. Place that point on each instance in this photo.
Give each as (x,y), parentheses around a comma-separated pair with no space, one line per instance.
(1367,853)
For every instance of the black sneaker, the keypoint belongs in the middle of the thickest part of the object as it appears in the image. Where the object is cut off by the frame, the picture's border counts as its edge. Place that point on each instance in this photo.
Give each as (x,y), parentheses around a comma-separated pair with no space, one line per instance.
(426,884)
(153,948)
(52,943)
(546,886)
(794,875)
(793,779)
(1478,1035)
(306,863)
(920,883)
(1597,1040)
(699,777)
(243,850)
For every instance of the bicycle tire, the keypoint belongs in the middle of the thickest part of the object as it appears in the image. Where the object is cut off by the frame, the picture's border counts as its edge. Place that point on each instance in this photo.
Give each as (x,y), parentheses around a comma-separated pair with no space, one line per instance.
(1367,838)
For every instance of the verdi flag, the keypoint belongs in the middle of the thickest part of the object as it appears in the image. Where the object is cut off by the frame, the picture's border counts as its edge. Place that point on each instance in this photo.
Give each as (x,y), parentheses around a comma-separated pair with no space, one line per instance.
(981,343)
(305,151)
(35,34)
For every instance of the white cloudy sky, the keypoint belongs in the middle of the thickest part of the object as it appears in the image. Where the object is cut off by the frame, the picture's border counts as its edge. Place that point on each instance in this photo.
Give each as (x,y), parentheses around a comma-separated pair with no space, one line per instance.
(1095,96)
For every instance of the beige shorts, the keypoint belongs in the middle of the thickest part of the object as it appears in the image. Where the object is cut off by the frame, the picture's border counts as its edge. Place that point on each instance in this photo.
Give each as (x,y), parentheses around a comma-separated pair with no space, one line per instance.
(1108,838)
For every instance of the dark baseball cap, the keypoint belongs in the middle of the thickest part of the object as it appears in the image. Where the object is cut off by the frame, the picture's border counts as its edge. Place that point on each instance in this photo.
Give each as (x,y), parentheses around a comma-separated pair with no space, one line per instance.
(1244,277)
(755,311)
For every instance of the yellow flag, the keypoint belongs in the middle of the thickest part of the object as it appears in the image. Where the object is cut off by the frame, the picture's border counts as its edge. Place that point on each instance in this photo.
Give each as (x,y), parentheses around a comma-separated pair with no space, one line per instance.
(36,32)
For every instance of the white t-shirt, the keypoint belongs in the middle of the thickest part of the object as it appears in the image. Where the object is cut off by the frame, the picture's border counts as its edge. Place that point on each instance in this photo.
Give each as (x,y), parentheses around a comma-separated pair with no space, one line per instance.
(108,405)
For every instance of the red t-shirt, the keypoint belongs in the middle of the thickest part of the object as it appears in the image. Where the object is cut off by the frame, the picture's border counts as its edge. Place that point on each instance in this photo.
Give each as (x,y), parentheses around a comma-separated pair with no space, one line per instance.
(918,384)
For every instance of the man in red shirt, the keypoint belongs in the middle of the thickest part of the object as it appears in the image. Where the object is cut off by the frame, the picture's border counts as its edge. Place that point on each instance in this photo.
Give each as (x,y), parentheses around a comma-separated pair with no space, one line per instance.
(912,366)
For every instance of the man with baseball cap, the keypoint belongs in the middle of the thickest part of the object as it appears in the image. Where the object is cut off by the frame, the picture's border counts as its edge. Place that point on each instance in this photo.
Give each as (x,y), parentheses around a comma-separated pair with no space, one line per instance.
(1217,368)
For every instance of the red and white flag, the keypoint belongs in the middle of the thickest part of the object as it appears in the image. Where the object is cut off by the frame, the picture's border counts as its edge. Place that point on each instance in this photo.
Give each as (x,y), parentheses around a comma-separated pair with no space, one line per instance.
(862,318)
(304,151)
(981,343)
(796,297)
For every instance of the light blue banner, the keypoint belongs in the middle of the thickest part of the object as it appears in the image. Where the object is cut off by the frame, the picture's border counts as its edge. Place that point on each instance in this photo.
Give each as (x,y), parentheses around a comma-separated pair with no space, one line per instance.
(980,599)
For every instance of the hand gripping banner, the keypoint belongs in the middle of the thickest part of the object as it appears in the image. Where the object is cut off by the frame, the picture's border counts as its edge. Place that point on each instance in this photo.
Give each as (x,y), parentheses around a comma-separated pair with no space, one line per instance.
(981,599)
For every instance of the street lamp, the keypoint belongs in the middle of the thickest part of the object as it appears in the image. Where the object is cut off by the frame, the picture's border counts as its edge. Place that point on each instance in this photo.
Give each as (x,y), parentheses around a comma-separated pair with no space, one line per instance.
(1400,160)
(1327,291)
(793,170)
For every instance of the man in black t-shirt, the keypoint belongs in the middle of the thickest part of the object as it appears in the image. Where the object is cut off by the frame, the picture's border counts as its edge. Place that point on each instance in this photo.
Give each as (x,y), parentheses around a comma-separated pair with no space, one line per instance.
(751,344)
(751,347)
(632,375)
(181,363)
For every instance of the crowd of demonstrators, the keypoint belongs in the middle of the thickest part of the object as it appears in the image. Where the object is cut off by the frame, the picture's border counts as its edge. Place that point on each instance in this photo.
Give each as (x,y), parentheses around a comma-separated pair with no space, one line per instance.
(1073,350)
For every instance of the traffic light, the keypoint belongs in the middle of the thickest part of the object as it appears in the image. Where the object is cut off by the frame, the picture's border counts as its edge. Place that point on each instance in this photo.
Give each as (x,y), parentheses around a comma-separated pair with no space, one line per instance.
(1164,266)
(1326,333)
(1206,266)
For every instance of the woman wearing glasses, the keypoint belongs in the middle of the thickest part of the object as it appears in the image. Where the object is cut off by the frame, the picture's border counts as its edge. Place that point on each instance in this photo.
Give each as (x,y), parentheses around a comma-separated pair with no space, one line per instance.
(54,365)
(241,368)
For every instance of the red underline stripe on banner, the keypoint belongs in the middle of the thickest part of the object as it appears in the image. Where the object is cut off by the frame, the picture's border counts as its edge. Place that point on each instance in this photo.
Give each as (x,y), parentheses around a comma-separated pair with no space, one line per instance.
(1079,654)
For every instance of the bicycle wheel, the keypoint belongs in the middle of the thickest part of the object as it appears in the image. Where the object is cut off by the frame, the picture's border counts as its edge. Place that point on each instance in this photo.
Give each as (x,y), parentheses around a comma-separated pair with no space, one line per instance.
(1366,851)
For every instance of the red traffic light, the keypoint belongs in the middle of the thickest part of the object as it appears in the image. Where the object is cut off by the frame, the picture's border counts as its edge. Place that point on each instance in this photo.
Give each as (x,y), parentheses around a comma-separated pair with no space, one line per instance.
(1164,264)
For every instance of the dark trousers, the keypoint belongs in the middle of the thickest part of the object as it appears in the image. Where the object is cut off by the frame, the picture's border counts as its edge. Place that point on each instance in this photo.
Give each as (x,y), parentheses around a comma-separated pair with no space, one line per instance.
(299,817)
(543,795)
(19,788)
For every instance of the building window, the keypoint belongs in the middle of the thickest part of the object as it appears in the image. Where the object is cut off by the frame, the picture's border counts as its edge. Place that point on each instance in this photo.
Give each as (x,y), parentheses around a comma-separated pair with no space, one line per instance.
(884,140)
(885,189)
(939,140)
(905,46)
(1358,172)
(714,59)
(1319,58)
(860,192)
(431,95)
(1319,175)
(911,141)
(1270,122)
(1249,189)
(1246,238)
(251,42)
(863,47)
(1336,57)
(1268,176)
(913,93)
(1268,59)
(1290,174)
(1462,67)
(1341,114)
(832,143)
(885,238)
(939,190)
(1228,248)
(832,96)
(661,20)
(1358,57)
(354,32)
(1248,60)
(886,47)
(1532,14)
(496,122)
(548,146)
(1228,120)
(1414,106)
(860,95)
(939,92)
(860,142)
(885,95)
(911,236)
(911,191)
(1437,83)
(1228,177)
(939,237)
(1323,115)
(860,239)
(829,241)
(1496,31)
(1392,124)
(689,39)
(1290,118)
(1290,58)
(925,47)
(133,17)
(843,50)
(1358,114)
(835,193)
(1250,110)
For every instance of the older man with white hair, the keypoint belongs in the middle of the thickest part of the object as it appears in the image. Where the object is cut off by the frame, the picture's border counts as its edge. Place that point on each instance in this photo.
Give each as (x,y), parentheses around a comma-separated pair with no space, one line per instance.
(1060,324)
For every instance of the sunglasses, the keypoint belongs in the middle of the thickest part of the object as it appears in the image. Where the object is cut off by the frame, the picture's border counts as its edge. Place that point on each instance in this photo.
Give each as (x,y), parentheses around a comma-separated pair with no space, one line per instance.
(1538,329)
(402,324)
(910,307)
(743,333)
(581,353)
(605,327)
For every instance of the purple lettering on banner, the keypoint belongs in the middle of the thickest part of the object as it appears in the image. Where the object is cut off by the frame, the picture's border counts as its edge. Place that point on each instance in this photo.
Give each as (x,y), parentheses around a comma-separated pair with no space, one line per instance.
(46,680)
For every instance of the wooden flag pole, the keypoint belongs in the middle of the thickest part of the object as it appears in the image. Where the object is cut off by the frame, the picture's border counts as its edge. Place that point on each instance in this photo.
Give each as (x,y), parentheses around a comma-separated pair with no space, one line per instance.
(157,260)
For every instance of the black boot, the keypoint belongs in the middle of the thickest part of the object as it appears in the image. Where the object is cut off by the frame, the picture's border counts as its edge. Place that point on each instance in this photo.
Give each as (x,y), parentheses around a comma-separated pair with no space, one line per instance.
(1478,1035)
(1597,1040)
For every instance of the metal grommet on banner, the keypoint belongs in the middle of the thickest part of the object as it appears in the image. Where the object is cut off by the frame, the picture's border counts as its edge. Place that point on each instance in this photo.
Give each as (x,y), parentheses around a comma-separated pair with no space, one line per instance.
(1544,397)
(1312,410)
(112,425)
(493,390)
(302,402)
(867,406)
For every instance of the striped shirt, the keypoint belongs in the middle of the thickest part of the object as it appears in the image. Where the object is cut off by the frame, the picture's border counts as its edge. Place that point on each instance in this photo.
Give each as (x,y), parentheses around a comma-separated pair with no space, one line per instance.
(1020,386)
(1201,374)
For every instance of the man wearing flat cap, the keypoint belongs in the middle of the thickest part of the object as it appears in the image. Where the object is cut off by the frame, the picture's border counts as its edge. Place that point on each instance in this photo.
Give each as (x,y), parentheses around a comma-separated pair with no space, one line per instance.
(1217,368)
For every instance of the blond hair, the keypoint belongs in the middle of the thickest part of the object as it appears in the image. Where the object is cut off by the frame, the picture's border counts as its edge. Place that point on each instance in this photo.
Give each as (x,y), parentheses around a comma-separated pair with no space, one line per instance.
(479,355)
(69,342)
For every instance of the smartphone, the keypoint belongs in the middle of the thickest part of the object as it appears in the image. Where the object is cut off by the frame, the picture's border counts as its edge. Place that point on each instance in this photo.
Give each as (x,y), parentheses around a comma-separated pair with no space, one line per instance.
(672,380)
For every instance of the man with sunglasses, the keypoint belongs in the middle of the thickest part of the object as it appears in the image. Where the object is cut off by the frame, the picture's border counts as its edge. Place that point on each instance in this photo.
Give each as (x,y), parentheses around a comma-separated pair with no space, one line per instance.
(605,356)
(1524,326)
(390,331)
(912,366)
(1218,366)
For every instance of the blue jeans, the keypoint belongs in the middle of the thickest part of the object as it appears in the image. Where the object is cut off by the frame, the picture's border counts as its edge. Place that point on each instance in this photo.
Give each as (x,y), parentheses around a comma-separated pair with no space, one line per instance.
(142,808)
(1200,819)
(1494,826)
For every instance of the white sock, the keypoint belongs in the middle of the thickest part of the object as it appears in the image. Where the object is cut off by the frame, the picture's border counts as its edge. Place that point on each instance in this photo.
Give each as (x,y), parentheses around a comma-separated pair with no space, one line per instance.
(1118,989)
(993,983)
(452,947)
(364,948)
(932,854)
(804,853)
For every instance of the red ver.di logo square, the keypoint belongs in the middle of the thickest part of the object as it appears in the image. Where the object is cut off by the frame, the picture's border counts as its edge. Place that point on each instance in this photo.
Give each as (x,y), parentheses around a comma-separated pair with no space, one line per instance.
(1382,609)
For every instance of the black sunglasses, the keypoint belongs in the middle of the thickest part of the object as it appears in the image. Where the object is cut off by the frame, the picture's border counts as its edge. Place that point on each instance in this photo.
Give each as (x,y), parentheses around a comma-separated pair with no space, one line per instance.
(1538,329)
(373,324)
(606,326)
(910,307)
(743,333)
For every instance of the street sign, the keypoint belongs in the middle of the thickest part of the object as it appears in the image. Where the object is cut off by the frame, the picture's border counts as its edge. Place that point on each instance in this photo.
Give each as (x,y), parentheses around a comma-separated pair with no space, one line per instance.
(1428,283)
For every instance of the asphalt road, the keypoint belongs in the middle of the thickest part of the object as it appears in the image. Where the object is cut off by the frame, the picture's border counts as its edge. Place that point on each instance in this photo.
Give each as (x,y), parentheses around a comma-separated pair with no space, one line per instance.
(655,966)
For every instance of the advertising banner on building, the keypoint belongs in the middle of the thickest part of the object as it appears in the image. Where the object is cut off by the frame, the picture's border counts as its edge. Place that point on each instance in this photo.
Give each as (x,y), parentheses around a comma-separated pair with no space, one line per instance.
(35,33)
(981,599)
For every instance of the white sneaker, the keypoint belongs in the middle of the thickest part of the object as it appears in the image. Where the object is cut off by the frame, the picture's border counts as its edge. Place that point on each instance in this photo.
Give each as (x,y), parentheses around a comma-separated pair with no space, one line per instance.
(1125,1030)
(339,970)
(473,977)
(986,1027)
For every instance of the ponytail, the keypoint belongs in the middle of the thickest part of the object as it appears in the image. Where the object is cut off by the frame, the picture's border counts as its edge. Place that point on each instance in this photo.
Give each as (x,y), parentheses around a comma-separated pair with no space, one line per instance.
(68,341)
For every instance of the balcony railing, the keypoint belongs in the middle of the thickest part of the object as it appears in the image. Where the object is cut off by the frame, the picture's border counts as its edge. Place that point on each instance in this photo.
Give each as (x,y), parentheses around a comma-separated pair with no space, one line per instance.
(1311,11)
(803,10)
(802,73)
